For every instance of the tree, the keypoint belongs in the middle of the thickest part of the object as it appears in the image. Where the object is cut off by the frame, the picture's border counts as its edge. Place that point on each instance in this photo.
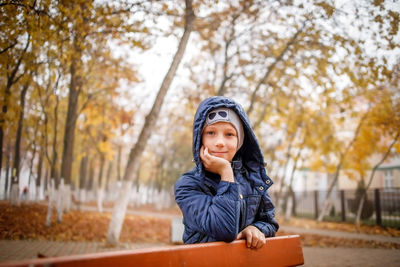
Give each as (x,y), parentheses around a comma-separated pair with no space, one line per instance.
(341,154)
(170,149)
(20,62)
(379,135)
(87,27)
(136,152)
(14,46)
(72,39)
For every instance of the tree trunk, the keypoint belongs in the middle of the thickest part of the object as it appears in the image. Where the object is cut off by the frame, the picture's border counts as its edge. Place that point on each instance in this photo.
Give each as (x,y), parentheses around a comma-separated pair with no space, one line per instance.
(1,141)
(100,196)
(51,195)
(100,177)
(108,179)
(39,175)
(32,161)
(67,198)
(118,215)
(280,192)
(12,78)
(82,180)
(363,197)
(46,181)
(119,163)
(327,203)
(100,192)
(15,199)
(54,177)
(17,157)
(289,204)
(90,180)
(59,197)
(7,182)
(69,133)
(289,196)
(54,155)
(1,145)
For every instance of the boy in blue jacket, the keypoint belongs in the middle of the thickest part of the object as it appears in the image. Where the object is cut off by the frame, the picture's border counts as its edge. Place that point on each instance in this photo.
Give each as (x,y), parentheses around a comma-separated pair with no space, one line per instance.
(225,196)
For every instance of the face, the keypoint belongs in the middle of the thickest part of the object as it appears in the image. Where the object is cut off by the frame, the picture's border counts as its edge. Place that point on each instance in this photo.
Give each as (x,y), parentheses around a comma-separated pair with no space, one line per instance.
(221,140)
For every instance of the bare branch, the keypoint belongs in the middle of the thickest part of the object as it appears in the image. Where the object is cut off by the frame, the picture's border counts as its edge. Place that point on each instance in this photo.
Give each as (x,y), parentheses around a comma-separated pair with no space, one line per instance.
(272,66)
(9,47)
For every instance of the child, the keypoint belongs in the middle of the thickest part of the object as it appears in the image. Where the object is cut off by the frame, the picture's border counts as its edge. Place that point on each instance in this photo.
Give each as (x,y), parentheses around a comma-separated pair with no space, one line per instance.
(225,196)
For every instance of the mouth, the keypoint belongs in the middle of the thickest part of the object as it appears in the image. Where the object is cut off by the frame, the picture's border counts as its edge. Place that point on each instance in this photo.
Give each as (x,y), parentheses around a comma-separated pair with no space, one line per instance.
(218,154)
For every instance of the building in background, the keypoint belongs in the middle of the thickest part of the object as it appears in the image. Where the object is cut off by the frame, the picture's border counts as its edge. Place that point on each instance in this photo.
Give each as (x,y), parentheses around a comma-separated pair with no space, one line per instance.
(386,177)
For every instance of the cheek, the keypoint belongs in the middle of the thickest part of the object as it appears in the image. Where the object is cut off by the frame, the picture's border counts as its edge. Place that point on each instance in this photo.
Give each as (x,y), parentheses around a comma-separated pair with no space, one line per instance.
(205,140)
(233,144)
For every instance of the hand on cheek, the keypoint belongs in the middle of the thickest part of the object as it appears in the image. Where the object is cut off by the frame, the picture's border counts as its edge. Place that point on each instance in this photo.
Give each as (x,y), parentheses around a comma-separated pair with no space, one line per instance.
(210,162)
(216,165)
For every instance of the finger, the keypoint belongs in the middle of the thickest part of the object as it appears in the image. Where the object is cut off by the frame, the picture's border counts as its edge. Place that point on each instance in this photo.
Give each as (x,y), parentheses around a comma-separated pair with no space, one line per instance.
(249,240)
(254,242)
(240,235)
(260,243)
(202,152)
(206,152)
(204,157)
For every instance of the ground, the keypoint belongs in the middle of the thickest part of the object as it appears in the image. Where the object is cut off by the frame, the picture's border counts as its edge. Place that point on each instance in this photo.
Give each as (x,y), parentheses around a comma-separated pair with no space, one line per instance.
(27,222)
(325,241)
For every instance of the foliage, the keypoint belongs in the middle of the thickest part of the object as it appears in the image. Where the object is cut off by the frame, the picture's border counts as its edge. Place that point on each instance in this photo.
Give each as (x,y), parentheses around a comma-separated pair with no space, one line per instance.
(28,222)
(306,72)
(68,48)
(169,156)
(300,71)
(381,126)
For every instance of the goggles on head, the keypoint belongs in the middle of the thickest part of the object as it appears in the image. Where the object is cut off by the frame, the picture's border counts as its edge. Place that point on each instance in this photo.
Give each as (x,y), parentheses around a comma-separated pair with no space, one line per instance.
(226,115)
(216,115)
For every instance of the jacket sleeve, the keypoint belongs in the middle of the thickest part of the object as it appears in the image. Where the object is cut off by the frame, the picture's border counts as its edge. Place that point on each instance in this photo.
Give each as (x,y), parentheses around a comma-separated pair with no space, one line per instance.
(216,216)
(265,220)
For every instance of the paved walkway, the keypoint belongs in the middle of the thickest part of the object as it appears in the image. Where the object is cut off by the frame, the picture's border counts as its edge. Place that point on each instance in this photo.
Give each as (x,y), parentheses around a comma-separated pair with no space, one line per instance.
(342,257)
(339,257)
(340,234)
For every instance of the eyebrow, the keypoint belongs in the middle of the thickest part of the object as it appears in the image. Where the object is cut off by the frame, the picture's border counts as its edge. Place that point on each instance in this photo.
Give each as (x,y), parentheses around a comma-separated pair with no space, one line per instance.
(225,129)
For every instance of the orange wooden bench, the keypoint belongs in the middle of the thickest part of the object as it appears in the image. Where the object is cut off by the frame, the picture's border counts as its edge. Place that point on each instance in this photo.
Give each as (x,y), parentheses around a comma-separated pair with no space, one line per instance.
(278,251)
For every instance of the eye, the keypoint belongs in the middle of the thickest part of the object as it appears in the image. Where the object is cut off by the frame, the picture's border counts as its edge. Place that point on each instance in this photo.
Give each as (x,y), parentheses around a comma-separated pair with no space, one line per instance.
(209,132)
(230,134)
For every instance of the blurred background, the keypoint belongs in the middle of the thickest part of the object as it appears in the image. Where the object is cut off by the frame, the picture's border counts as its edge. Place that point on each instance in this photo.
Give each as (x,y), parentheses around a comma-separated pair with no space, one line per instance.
(83,118)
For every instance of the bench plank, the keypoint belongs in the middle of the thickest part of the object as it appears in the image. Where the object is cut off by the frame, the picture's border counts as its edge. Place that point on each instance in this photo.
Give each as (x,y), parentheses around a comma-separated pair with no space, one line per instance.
(278,251)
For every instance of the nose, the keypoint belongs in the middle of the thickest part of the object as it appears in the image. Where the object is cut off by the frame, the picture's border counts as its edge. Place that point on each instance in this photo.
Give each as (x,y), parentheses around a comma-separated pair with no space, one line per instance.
(220,142)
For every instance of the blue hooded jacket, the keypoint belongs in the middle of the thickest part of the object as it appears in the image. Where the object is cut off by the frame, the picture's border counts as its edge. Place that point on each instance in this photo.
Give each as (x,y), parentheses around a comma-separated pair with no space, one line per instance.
(215,210)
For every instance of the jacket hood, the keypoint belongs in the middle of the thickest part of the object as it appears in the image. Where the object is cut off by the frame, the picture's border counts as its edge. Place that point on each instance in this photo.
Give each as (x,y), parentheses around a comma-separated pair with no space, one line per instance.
(250,151)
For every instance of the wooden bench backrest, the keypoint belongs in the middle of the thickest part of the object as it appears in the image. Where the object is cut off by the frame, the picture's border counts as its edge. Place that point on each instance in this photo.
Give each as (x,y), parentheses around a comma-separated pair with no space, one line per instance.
(278,251)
